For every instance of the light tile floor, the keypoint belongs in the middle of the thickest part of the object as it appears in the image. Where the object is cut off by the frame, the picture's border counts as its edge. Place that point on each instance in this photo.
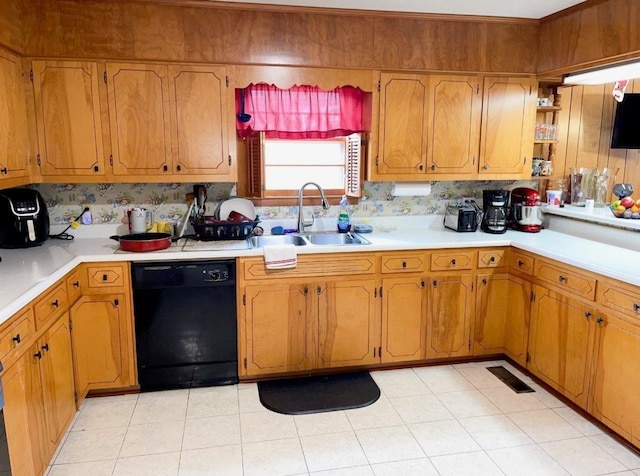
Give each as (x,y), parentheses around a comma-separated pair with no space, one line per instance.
(446,420)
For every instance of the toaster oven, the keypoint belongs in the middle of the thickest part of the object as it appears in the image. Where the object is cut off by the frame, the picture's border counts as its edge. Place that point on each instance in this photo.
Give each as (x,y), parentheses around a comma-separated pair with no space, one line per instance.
(462,218)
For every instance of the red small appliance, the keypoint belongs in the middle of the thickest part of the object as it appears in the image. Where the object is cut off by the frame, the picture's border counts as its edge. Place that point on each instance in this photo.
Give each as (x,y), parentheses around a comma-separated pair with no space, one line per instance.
(526,214)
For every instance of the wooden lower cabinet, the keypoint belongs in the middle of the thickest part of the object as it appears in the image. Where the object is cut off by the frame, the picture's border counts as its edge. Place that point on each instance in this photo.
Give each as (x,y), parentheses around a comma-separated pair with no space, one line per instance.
(279,336)
(102,343)
(290,327)
(348,323)
(449,315)
(561,343)
(39,400)
(24,415)
(404,319)
(57,380)
(502,315)
(616,376)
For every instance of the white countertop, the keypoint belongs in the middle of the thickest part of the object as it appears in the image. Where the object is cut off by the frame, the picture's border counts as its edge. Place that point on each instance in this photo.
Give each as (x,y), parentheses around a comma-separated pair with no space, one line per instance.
(26,273)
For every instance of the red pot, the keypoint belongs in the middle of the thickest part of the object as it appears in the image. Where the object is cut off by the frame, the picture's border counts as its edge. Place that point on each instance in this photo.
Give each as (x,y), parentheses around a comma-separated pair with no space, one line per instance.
(139,242)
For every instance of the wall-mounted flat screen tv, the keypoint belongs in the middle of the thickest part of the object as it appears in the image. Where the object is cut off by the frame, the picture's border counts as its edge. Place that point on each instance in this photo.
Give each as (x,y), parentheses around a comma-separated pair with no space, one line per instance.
(626,125)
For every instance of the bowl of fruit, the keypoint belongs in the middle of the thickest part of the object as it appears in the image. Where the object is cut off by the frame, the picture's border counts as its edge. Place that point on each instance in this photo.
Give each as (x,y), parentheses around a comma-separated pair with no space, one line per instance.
(625,206)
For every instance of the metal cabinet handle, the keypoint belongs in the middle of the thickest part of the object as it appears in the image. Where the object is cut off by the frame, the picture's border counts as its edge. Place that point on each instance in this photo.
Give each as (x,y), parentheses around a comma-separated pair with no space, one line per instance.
(16,339)
(587,314)
(433,167)
(55,303)
(38,355)
(453,262)
(45,347)
(561,279)
(104,277)
(492,259)
(520,264)
(76,284)
(599,320)
(404,264)
(636,307)
(485,166)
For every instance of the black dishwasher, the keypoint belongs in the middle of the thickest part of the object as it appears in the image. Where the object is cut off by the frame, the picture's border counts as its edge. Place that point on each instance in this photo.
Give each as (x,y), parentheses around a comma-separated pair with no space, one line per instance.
(185,322)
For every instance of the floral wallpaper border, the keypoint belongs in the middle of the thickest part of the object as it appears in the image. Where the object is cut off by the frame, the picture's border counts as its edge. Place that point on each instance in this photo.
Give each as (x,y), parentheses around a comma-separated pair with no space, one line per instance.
(110,202)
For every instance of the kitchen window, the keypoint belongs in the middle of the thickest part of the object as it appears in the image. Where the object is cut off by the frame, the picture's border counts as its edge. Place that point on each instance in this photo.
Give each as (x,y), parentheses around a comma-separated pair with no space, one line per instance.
(302,134)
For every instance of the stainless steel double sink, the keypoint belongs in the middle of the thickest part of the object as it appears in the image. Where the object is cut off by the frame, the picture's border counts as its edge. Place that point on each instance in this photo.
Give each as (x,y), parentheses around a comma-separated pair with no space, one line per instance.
(304,239)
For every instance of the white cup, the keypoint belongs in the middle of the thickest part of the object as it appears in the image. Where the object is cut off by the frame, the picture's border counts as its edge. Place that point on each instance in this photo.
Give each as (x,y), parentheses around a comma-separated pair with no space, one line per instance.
(554,197)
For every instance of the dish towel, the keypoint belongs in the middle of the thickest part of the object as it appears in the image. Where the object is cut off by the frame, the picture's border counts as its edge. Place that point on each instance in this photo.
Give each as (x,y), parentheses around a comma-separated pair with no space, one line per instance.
(280,256)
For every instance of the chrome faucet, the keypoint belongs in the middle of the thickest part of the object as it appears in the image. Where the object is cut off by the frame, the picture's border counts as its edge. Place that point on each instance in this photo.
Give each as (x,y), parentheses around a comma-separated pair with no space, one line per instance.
(325,205)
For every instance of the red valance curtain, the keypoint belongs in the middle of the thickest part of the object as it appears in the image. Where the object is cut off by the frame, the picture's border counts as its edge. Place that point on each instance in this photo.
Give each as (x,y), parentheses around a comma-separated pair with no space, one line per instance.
(302,112)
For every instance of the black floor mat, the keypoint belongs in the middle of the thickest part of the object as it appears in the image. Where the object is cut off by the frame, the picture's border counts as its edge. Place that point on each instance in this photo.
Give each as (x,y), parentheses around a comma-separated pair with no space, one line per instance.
(511,380)
(322,393)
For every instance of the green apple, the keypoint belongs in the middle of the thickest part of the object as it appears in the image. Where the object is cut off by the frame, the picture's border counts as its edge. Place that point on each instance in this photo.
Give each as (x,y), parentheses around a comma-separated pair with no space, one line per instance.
(615,204)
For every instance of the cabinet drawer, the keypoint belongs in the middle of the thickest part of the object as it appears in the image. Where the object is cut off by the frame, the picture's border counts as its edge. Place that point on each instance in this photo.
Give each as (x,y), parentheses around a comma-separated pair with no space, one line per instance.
(312,266)
(566,280)
(620,298)
(404,263)
(18,333)
(521,262)
(491,258)
(53,303)
(74,285)
(106,276)
(452,260)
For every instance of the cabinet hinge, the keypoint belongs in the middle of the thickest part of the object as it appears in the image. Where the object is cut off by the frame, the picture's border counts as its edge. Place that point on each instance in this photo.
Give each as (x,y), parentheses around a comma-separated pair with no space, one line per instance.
(471,287)
(377,161)
(528,359)
(469,344)
(245,362)
(524,160)
(229,159)
(111,160)
(38,160)
(374,352)
(474,160)
(226,80)
(104,76)
(375,295)
(31,75)
(533,296)
(380,351)
(380,291)
(477,88)
(244,299)
(378,86)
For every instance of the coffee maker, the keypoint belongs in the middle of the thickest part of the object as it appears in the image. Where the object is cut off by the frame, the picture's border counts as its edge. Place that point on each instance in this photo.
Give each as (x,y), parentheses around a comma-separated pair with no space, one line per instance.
(526,214)
(494,204)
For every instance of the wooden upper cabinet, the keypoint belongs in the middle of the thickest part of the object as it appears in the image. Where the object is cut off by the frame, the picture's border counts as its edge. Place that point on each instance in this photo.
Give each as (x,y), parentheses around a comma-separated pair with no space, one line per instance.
(68,118)
(14,143)
(201,120)
(139,119)
(454,125)
(508,116)
(404,104)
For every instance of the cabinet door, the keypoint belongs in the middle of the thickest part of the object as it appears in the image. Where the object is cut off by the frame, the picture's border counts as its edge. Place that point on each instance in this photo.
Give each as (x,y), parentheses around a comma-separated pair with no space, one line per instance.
(139,119)
(449,316)
(57,380)
(404,319)
(102,349)
(348,323)
(23,415)
(454,125)
(404,103)
(14,142)
(67,104)
(516,336)
(200,121)
(508,115)
(502,314)
(279,334)
(616,383)
(492,308)
(560,343)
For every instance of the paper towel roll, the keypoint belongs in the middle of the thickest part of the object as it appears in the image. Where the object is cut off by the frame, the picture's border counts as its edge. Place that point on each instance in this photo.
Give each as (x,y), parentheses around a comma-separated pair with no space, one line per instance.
(411,189)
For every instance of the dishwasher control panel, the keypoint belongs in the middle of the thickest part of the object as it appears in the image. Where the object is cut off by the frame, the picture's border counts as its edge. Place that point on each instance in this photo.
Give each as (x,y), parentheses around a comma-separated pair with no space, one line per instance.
(183,273)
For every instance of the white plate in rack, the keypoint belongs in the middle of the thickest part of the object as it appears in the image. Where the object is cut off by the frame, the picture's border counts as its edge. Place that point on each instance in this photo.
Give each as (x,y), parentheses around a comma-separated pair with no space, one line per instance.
(243,206)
